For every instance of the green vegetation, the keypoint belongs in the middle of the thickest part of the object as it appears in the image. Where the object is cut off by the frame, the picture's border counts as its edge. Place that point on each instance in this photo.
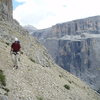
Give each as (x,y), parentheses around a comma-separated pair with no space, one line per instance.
(39,98)
(7,43)
(67,87)
(2,78)
(3,82)
(32,60)
(60,76)
(69,81)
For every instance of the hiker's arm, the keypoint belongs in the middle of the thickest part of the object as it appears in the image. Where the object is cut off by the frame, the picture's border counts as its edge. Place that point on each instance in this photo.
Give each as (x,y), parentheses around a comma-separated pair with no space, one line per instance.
(20,50)
(11,50)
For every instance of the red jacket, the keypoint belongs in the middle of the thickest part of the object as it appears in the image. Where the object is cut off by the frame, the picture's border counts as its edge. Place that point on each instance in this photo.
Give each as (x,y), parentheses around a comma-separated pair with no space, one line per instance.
(15,47)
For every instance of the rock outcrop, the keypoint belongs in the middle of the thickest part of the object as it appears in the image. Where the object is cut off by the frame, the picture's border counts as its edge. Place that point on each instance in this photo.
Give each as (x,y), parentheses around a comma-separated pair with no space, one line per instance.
(75,47)
(76,27)
(6,10)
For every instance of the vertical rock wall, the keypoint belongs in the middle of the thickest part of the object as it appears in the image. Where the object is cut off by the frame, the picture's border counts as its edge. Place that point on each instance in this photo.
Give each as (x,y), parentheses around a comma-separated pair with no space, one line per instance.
(6,10)
(75,46)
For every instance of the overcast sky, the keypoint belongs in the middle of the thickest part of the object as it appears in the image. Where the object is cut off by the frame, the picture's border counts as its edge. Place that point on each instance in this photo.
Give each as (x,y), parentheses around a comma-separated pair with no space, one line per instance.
(45,13)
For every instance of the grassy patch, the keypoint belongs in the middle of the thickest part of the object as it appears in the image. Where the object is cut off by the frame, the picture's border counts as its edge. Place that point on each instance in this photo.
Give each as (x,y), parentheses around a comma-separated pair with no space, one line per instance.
(3,82)
(69,81)
(7,43)
(60,76)
(32,60)
(67,87)
(2,78)
(39,98)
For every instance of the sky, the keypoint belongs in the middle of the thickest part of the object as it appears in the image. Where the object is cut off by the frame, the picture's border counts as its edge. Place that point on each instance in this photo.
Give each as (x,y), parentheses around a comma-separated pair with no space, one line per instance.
(45,13)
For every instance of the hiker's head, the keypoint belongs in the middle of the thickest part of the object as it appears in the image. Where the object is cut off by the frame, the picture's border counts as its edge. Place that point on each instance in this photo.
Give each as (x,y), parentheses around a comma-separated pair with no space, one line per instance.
(16,39)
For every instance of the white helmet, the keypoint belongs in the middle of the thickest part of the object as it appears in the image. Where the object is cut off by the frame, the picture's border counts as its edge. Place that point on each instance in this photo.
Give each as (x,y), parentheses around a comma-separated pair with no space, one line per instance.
(16,39)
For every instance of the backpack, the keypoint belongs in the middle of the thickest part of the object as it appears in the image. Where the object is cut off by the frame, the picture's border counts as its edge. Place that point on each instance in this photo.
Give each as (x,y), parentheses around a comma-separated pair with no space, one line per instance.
(15,46)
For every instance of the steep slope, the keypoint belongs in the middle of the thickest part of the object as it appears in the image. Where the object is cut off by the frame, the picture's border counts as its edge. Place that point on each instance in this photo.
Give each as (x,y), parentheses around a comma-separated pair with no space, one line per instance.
(33,81)
(75,47)
(6,10)
(31,47)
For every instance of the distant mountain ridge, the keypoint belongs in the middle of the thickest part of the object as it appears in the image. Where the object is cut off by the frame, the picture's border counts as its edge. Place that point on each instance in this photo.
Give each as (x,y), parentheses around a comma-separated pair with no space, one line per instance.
(74,45)
(30,28)
(74,27)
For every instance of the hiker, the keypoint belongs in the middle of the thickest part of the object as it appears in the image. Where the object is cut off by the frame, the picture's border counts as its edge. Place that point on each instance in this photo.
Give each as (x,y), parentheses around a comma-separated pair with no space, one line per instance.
(15,52)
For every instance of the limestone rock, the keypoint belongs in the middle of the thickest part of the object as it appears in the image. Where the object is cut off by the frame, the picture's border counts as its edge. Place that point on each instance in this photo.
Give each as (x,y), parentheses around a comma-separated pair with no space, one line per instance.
(75,46)
(6,10)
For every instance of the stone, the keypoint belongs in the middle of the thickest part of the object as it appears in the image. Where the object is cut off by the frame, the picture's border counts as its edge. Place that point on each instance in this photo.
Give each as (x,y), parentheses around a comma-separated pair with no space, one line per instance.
(2,97)
(6,9)
(75,46)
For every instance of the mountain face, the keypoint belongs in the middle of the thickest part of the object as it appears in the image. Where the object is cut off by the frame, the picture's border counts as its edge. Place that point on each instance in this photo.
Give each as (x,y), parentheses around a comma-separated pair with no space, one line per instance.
(6,10)
(29,28)
(75,47)
(38,77)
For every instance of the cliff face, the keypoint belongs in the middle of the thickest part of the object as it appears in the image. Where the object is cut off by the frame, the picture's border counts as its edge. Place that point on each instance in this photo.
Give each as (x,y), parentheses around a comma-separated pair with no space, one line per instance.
(82,59)
(75,47)
(76,27)
(6,10)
